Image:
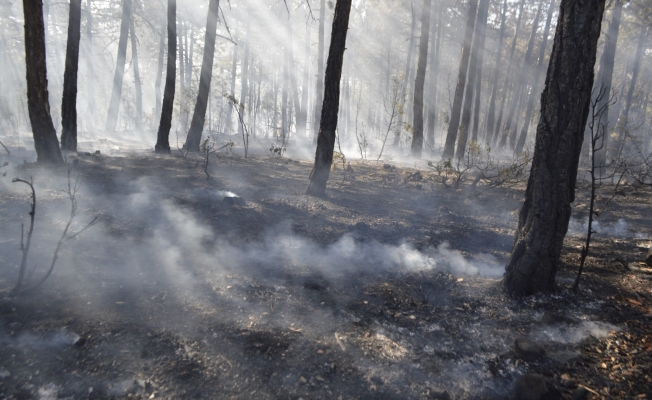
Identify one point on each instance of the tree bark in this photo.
(90, 71)
(535, 82)
(38, 104)
(543, 219)
(163, 142)
(319, 87)
(303, 115)
(454, 124)
(417, 136)
(137, 83)
(229, 110)
(491, 113)
(406, 75)
(476, 51)
(199, 115)
(433, 78)
(118, 77)
(328, 122)
(159, 72)
(69, 101)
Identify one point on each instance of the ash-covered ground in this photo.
(389, 288)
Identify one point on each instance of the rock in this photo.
(648, 259)
(535, 387)
(387, 166)
(4, 374)
(438, 394)
(549, 318)
(527, 350)
(233, 200)
(580, 394)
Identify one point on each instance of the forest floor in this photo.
(389, 288)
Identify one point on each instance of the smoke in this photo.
(618, 229)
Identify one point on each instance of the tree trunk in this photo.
(159, 72)
(90, 71)
(535, 82)
(182, 62)
(476, 51)
(491, 113)
(303, 115)
(190, 45)
(454, 124)
(293, 79)
(163, 142)
(328, 123)
(543, 219)
(198, 117)
(406, 75)
(482, 30)
(69, 101)
(319, 87)
(45, 137)
(137, 83)
(229, 109)
(417, 136)
(118, 77)
(433, 78)
(284, 98)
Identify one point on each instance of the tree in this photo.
(454, 124)
(417, 136)
(159, 71)
(38, 104)
(199, 115)
(90, 71)
(433, 77)
(328, 123)
(118, 77)
(69, 101)
(543, 219)
(162, 141)
(137, 84)
(496, 75)
(319, 87)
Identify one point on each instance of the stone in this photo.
(550, 318)
(438, 394)
(648, 259)
(387, 166)
(527, 350)
(580, 394)
(535, 387)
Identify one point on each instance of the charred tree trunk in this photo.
(159, 72)
(118, 77)
(244, 82)
(69, 101)
(90, 71)
(328, 124)
(482, 31)
(137, 83)
(319, 87)
(491, 121)
(45, 137)
(535, 82)
(163, 142)
(406, 75)
(433, 78)
(476, 51)
(417, 136)
(199, 115)
(454, 124)
(543, 219)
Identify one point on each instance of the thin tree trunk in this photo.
(328, 123)
(118, 77)
(182, 62)
(137, 83)
(482, 30)
(244, 81)
(163, 142)
(476, 51)
(198, 117)
(454, 124)
(69, 101)
(229, 112)
(417, 137)
(293, 80)
(319, 87)
(535, 82)
(90, 71)
(303, 115)
(543, 219)
(491, 113)
(190, 46)
(433, 78)
(284, 98)
(45, 137)
(159, 72)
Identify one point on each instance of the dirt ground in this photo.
(389, 288)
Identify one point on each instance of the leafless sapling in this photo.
(6, 149)
(239, 109)
(393, 111)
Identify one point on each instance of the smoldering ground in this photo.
(178, 293)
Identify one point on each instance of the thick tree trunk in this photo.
(90, 71)
(328, 124)
(319, 87)
(433, 78)
(476, 51)
(163, 142)
(534, 92)
(543, 219)
(118, 77)
(137, 83)
(198, 117)
(454, 123)
(491, 121)
(45, 137)
(482, 30)
(69, 101)
(417, 136)
(159, 72)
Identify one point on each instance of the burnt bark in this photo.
(319, 87)
(328, 122)
(163, 142)
(543, 219)
(38, 105)
(90, 71)
(159, 71)
(454, 124)
(199, 115)
(491, 113)
(433, 78)
(417, 136)
(118, 77)
(69, 101)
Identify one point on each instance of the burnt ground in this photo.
(181, 293)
